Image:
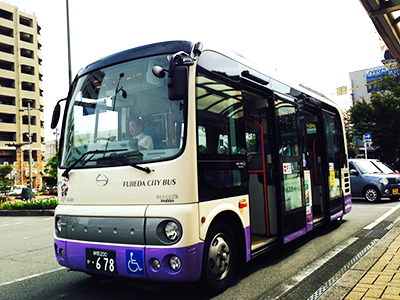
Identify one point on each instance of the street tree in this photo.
(380, 118)
(5, 183)
(50, 170)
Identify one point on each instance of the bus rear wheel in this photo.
(219, 258)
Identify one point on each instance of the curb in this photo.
(341, 288)
(27, 212)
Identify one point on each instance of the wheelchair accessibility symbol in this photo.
(134, 259)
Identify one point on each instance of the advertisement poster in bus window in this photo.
(307, 190)
(292, 185)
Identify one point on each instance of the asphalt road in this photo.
(298, 270)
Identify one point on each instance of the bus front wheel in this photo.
(219, 258)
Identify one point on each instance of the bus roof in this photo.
(169, 47)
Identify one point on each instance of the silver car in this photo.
(372, 179)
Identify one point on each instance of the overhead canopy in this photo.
(385, 14)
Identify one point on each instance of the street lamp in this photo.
(30, 140)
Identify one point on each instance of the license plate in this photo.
(395, 191)
(101, 260)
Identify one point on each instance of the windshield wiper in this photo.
(133, 165)
(94, 152)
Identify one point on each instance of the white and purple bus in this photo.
(177, 162)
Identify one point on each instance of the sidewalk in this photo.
(374, 276)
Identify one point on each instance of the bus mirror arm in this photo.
(178, 72)
(56, 114)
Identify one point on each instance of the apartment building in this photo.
(22, 130)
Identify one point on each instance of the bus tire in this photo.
(372, 194)
(219, 258)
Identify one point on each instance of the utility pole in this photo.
(69, 48)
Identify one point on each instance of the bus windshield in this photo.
(121, 115)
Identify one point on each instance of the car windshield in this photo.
(366, 166)
(122, 115)
(384, 167)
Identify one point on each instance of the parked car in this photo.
(369, 179)
(16, 190)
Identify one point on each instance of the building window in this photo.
(28, 86)
(25, 21)
(7, 118)
(6, 15)
(7, 100)
(26, 101)
(8, 83)
(26, 69)
(7, 136)
(6, 31)
(27, 53)
(26, 37)
(6, 65)
(6, 48)
(341, 90)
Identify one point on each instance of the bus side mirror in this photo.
(56, 114)
(178, 83)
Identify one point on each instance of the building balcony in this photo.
(11, 109)
(9, 127)
(29, 94)
(7, 56)
(7, 40)
(7, 74)
(6, 23)
(8, 91)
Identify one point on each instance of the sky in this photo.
(312, 42)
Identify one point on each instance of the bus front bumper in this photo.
(140, 262)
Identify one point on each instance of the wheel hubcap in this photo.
(219, 257)
(371, 195)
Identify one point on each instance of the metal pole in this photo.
(30, 145)
(69, 48)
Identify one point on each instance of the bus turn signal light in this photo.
(242, 204)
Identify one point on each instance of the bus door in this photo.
(290, 168)
(335, 160)
(314, 160)
(257, 180)
(262, 192)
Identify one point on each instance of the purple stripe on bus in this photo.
(294, 235)
(337, 215)
(347, 204)
(247, 235)
(191, 258)
(310, 220)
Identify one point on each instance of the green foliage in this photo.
(5, 182)
(51, 167)
(49, 203)
(380, 118)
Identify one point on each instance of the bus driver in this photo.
(145, 142)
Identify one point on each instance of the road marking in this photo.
(10, 224)
(317, 264)
(19, 223)
(381, 218)
(31, 276)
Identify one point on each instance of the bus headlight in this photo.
(60, 225)
(172, 231)
(163, 231)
